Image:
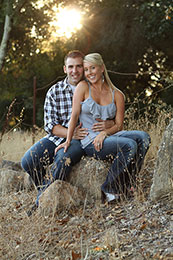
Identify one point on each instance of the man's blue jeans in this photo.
(127, 153)
(41, 155)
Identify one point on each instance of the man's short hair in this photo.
(73, 54)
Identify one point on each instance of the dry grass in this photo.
(92, 231)
(14, 144)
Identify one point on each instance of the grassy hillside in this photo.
(134, 228)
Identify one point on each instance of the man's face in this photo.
(74, 70)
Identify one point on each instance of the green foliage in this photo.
(133, 36)
(156, 18)
(17, 82)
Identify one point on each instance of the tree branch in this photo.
(4, 42)
(7, 28)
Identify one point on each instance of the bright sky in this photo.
(66, 22)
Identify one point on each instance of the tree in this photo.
(26, 27)
(132, 36)
(10, 11)
(125, 32)
(23, 26)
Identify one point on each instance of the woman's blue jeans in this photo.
(127, 153)
(41, 155)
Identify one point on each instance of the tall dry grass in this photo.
(152, 119)
(89, 232)
(15, 143)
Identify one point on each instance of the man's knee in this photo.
(24, 163)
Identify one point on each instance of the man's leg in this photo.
(62, 164)
(36, 160)
(120, 151)
(64, 161)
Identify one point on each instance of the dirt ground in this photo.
(134, 228)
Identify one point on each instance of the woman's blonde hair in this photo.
(96, 59)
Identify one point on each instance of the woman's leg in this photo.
(143, 141)
(120, 151)
(64, 161)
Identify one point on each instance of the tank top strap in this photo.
(89, 88)
(113, 94)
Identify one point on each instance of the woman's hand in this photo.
(98, 141)
(64, 145)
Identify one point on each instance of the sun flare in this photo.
(66, 22)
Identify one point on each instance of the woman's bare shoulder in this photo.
(119, 93)
(82, 83)
(82, 86)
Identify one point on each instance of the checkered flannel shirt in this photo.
(57, 108)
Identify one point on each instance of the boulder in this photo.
(163, 173)
(13, 178)
(60, 195)
(84, 182)
(89, 174)
(16, 166)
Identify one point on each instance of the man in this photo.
(57, 112)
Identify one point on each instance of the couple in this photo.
(99, 106)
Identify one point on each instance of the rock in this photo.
(16, 166)
(13, 178)
(60, 195)
(89, 174)
(163, 173)
(85, 180)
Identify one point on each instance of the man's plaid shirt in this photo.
(57, 108)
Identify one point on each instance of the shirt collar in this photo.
(67, 84)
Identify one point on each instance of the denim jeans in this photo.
(63, 162)
(143, 141)
(41, 154)
(127, 153)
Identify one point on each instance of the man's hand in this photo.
(102, 125)
(80, 133)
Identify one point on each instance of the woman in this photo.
(97, 98)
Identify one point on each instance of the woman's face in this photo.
(93, 72)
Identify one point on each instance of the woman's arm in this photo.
(119, 119)
(78, 97)
(119, 100)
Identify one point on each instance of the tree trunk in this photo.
(4, 42)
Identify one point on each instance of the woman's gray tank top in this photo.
(90, 111)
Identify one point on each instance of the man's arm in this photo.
(52, 119)
(102, 125)
(79, 132)
(60, 131)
